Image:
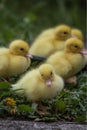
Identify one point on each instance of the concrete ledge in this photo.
(29, 125)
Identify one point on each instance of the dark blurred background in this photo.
(25, 19)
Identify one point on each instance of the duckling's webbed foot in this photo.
(72, 80)
(8, 79)
(42, 110)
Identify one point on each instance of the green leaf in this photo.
(25, 108)
(31, 16)
(4, 85)
(80, 118)
(60, 105)
(5, 94)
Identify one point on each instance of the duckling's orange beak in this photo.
(29, 55)
(48, 83)
(83, 51)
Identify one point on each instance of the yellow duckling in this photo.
(70, 61)
(39, 83)
(15, 59)
(77, 33)
(54, 41)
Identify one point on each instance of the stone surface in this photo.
(29, 125)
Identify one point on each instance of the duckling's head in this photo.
(62, 32)
(74, 45)
(46, 74)
(19, 47)
(77, 33)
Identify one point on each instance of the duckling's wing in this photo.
(65, 70)
(3, 62)
(42, 47)
(61, 65)
(3, 51)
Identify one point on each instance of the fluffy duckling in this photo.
(70, 61)
(15, 59)
(77, 33)
(54, 41)
(39, 83)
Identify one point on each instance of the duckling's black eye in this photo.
(65, 32)
(75, 46)
(22, 49)
(42, 75)
(51, 73)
